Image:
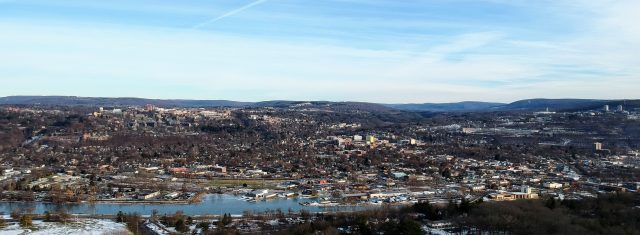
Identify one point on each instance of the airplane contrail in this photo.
(230, 13)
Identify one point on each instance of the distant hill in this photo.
(555, 104)
(336, 106)
(568, 105)
(521, 105)
(110, 102)
(447, 107)
(95, 101)
(467, 106)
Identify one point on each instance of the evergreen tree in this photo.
(26, 221)
(410, 227)
(120, 217)
(550, 203)
(181, 226)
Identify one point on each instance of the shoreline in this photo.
(122, 202)
(195, 200)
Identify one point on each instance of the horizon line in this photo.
(334, 101)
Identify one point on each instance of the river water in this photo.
(214, 204)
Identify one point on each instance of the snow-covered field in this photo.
(82, 226)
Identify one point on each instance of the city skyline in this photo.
(371, 51)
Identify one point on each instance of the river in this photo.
(213, 204)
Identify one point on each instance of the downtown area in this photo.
(318, 167)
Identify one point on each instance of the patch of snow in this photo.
(435, 231)
(155, 228)
(82, 226)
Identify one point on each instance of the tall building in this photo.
(149, 108)
(598, 146)
(371, 139)
(606, 108)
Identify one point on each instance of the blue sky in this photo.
(356, 50)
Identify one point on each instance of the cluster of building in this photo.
(149, 153)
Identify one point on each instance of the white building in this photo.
(552, 185)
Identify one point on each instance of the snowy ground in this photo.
(82, 226)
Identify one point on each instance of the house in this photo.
(477, 188)
(147, 196)
(172, 195)
(258, 194)
(511, 196)
(178, 170)
(360, 187)
(398, 175)
(552, 185)
(219, 169)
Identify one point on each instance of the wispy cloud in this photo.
(401, 52)
(229, 13)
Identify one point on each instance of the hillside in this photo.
(467, 106)
(124, 101)
(447, 107)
